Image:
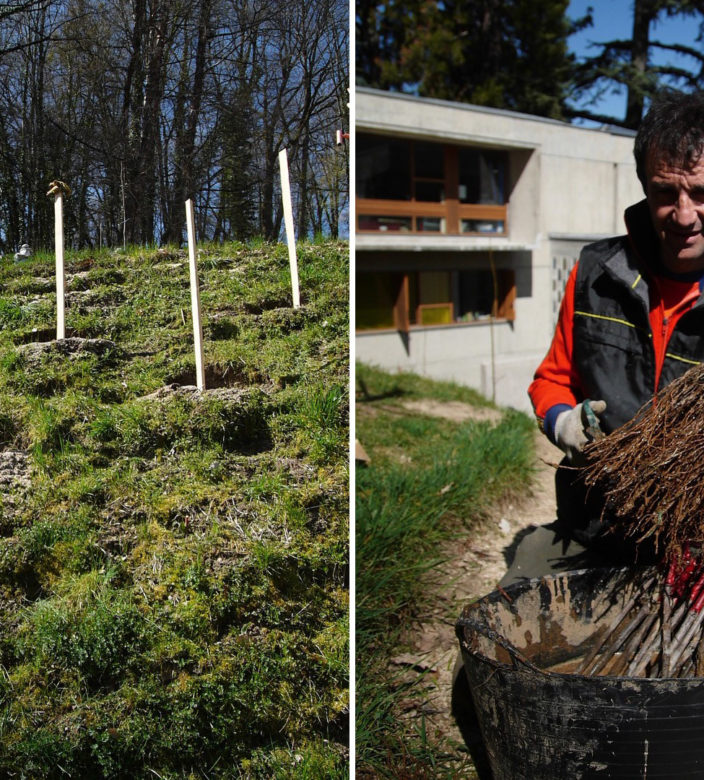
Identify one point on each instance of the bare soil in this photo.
(473, 567)
(15, 479)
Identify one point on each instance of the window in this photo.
(428, 160)
(388, 222)
(383, 171)
(481, 181)
(481, 176)
(431, 295)
(430, 224)
(428, 173)
(422, 187)
(482, 226)
(381, 301)
(427, 298)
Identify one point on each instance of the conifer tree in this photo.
(627, 64)
(503, 53)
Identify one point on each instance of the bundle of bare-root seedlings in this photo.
(651, 474)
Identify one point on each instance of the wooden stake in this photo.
(288, 221)
(60, 268)
(626, 624)
(666, 628)
(58, 189)
(195, 296)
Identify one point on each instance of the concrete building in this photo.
(468, 220)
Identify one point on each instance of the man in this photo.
(631, 321)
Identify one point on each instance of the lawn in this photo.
(428, 481)
(174, 563)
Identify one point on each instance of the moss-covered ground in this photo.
(174, 563)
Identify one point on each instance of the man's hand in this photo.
(571, 429)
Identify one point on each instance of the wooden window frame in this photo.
(402, 320)
(450, 210)
(503, 306)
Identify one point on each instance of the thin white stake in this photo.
(60, 269)
(288, 221)
(195, 296)
(58, 189)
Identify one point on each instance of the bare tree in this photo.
(139, 104)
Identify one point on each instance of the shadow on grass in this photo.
(367, 397)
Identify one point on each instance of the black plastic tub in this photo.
(538, 719)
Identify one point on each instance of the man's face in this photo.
(676, 200)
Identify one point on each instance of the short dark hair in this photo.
(674, 128)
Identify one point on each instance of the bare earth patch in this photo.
(456, 411)
(15, 479)
(472, 569)
(72, 347)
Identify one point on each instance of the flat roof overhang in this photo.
(416, 243)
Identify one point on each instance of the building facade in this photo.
(468, 220)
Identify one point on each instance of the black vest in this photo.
(615, 360)
(613, 344)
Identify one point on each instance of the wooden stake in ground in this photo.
(288, 221)
(57, 190)
(195, 296)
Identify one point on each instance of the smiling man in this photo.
(676, 202)
(631, 321)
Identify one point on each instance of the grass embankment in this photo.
(429, 479)
(173, 565)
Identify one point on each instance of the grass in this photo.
(429, 480)
(173, 565)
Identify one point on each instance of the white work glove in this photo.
(571, 430)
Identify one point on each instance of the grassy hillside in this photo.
(173, 564)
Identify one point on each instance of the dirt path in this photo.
(472, 570)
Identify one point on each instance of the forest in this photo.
(139, 105)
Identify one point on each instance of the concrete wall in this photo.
(458, 353)
(568, 185)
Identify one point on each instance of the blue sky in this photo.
(614, 19)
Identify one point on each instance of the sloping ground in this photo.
(173, 564)
(471, 569)
(440, 458)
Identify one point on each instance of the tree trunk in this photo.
(184, 178)
(643, 15)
